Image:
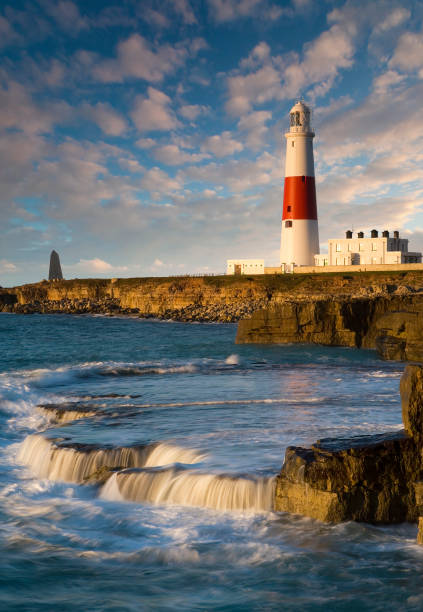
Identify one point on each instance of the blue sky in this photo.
(146, 137)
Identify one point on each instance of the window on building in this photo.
(288, 223)
(349, 246)
(374, 246)
(338, 247)
(292, 141)
(361, 246)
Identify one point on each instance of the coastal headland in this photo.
(209, 298)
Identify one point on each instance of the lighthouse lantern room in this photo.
(300, 231)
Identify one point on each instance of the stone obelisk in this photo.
(55, 272)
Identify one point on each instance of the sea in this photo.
(192, 429)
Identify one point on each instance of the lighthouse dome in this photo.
(300, 117)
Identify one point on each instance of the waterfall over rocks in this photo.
(72, 462)
(188, 488)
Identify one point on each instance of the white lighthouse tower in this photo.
(300, 230)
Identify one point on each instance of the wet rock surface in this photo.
(368, 478)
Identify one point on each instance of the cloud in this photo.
(228, 10)
(7, 267)
(192, 111)
(137, 59)
(93, 266)
(153, 113)
(183, 8)
(238, 176)
(17, 110)
(66, 14)
(155, 18)
(408, 55)
(277, 78)
(394, 19)
(254, 126)
(254, 88)
(145, 143)
(386, 81)
(172, 155)
(259, 54)
(106, 117)
(158, 183)
(322, 60)
(221, 145)
(8, 36)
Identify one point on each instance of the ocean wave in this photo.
(229, 402)
(45, 377)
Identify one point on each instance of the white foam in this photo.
(74, 464)
(232, 360)
(190, 488)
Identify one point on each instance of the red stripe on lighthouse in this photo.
(299, 199)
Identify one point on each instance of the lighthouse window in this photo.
(292, 143)
(297, 118)
(292, 119)
(288, 209)
(288, 223)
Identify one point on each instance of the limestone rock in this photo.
(363, 479)
(376, 479)
(100, 476)
(392, 325)
(55, 271)
(420, 531)
(412, 402)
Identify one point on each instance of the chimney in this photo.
(374, 234)
(396, 234)
(348, 234)
(385, 234)
(360, 235)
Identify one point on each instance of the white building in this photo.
(374, 250)
(245, 266)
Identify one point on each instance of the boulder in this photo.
(366, 479)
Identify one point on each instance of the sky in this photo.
(146, 138)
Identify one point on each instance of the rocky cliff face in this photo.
(371, 478)
(225, 298)
(393, 325)
(184, 299)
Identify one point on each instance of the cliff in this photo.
(393, 324)
(208, 298)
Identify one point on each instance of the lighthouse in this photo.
(300, 230)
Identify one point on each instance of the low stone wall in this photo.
(358, 268)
